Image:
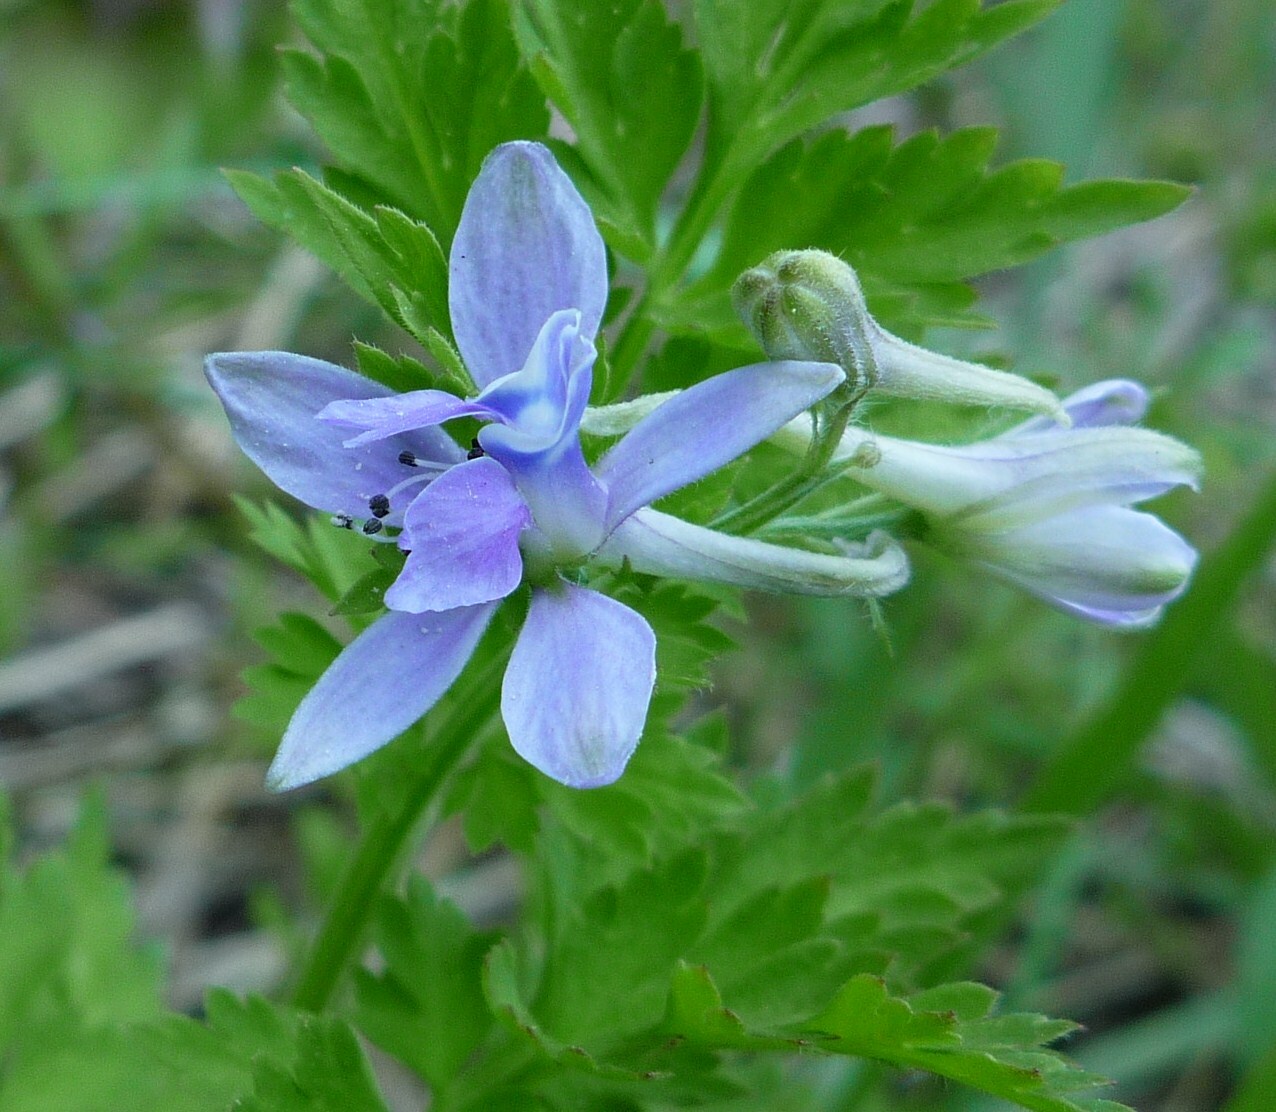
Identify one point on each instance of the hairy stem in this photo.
(813, 473)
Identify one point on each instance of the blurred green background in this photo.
(130, 589)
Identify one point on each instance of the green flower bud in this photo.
(809, 305)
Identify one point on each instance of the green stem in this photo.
(381, 847)
(813, 473)
(842, 525)
(630, 344)
(668, 265)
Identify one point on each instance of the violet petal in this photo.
(526, 248)
(705, 427)
(271, 399)
(382, 418)
(578, 684)
(463, 534)
(379, 685)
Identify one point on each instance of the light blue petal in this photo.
(463, 534)
(382, 418)
(382, 682)
(538, 438)
(565, 498)
(526, 248)
(1115, 401)
(271, 399)
(1109, 564)
(540, 405)
(705, 427)
(578, 684)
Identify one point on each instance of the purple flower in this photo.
(528, 283)
(1048, 508)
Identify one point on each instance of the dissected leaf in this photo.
(915, 219)
(411, 97)
(426, 1007)
(778, 68)
(631, 92)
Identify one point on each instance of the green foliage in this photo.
(411, 96)
(301, 649)
(82, 1023)
(914, 219)
(367, 595)
(426, 1007)
(950, 1030)
(332, 559)
(737, 940)
(387, 257)
(777, 69)
(248, 1054)
(69, 956)
(631, 92)
(327, 1073)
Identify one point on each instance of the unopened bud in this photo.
(809, 305)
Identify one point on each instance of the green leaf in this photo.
(773, 957)
(672, 791)
(778, 68)
(328, 1074)
(951, 1031)
(411, 96)
(367, 596)
(497, 796)
(301, 650)
(914, 219)
(384, 256)
(331, 93)
(332, 559)
(611, 954)
(171, 1063)
(427, 1006)
(69, 956)
(630, 90)
(400, 372)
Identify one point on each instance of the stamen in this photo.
(379, 504)
(411, 459)
(372, 528)
(476, 450)
(413, 481)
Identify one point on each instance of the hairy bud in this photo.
(809, 305)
